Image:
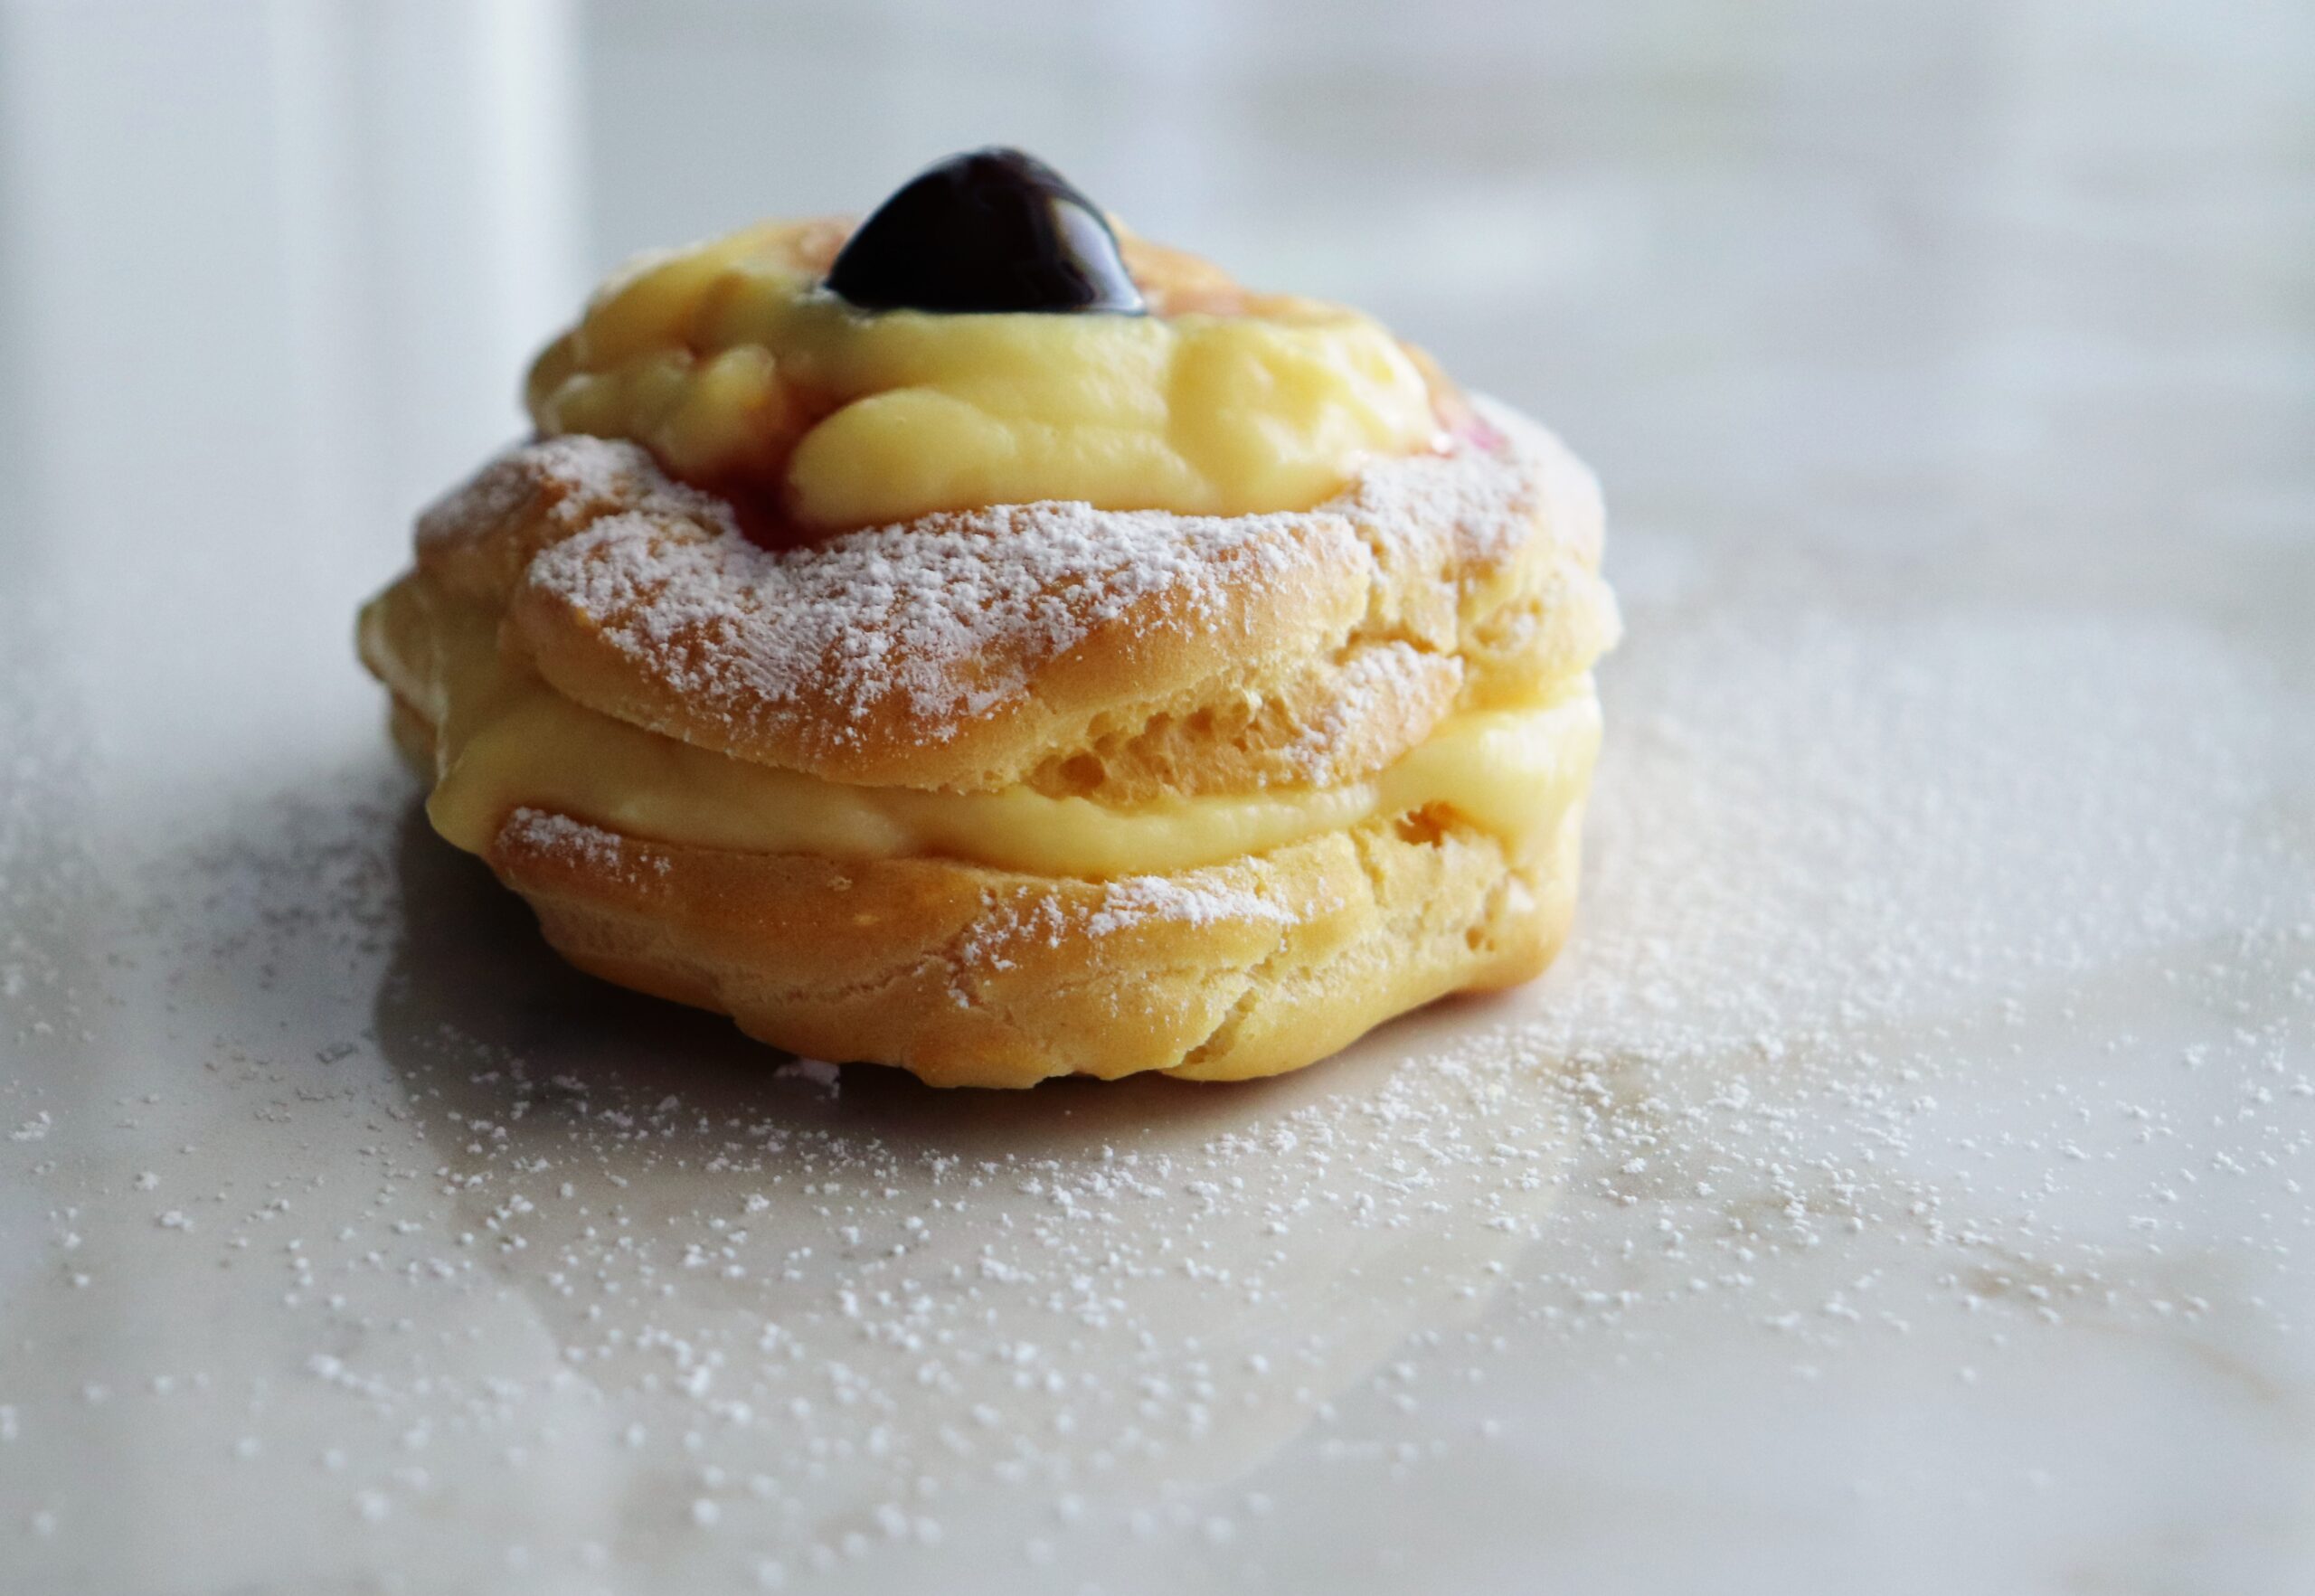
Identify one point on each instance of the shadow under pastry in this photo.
(698, 1230)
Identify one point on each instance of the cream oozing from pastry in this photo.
(506, 740)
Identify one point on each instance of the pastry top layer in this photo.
(739, 372)
(1113, 655)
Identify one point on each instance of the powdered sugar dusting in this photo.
(948, 617)
(574, 479)
(1486, 496)
(1125, 903)
(1920, 1033)
(561, 836)
(1134, 899)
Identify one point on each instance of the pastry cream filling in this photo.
(505, 740)
(732, 366)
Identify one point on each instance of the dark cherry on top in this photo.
(991, 229)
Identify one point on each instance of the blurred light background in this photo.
(248, 245)
(1999, 312)
(1976, 275)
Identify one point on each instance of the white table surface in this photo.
(1903, 1185)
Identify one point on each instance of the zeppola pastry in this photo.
(986, 642)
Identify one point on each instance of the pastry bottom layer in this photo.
(968, 976)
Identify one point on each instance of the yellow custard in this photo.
(506, 740)
(733, 365)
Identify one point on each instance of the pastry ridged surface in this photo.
(1124, 658)
(971, 977)
(1118, 656)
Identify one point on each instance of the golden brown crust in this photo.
(1332, 723)
(967, 976)
(1120, 656)
(1110, 655)
(736, 672)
